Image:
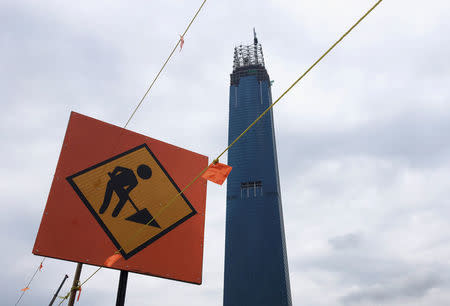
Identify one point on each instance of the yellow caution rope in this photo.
(164, 65)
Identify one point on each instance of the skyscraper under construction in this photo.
(256, 268)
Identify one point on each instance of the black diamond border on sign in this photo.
(70, 179)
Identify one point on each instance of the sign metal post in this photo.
(121, 291)
(76, 280)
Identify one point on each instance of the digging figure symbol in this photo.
(122, 181)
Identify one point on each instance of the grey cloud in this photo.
(43, 52)
(358, 268)
(404, 288)
(371, 276)
(414, 139)
(348, 241)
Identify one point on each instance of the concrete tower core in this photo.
(256, 268)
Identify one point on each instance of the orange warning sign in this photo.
(116, 190)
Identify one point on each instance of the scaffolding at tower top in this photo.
(249, 55)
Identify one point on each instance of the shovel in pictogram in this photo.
(142, 216)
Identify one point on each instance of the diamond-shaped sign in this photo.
(127, 195)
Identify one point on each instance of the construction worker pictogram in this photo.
(122, 181)
(125, 194)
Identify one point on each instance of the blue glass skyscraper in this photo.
(256, 268)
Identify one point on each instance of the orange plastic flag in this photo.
(79, 293)
(181, 42)
(112, 259)
(24, 289)
(40, 267)
(217, 173)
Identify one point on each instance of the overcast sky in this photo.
(363, 141)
